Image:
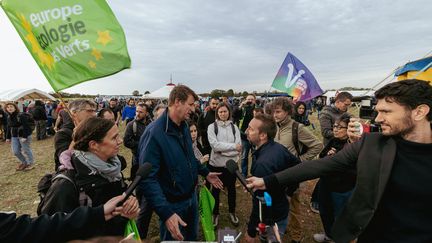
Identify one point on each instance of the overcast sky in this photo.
(241, 44)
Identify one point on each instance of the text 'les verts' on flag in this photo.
(296, 80)
(72, 41)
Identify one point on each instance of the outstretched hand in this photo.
(213, 178)
(255, 183)
(172, 224)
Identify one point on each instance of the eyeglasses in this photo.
(339, 127)
(89, 110)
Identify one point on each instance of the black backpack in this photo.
(28, 119)
(295, 140)
(45, 184)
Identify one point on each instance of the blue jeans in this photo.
(187, 210)
(22, 150)
(339, 201)
(246, 146)
(282, 225)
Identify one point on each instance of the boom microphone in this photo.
(142, 173)
(233, 169)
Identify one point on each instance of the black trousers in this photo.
(228, 180)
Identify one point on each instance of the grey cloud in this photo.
(241, 44)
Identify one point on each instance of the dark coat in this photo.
(39, 112)
(327, 118)
(130, 139)
(270, 158)
(205, 119)
(63, 196)
(62, 140)
(17, 126)
(80, 224)
(246, 117)
(174, 173)
(372, 157)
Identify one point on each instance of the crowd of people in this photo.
(364, 179)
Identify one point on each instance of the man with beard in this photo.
(332, 112)
(390, 202)
(116, 109)
(134, 130)
(207, 117)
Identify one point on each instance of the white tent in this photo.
(24, 94)
(161, 93)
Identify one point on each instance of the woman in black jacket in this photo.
(300, 113)
(335, 190)
(96, 172)
(19, 135)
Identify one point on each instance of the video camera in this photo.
(368, 112)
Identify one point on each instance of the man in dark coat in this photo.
(81, 110)
(390, 202)
(207, 117)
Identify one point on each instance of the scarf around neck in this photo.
(109, 170)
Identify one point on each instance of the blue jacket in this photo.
(175, 169)
(268, 159)
(128, 112)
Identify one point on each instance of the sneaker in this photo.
(322, 238)
(234, 219)
(28, 167)
(215, 220)
(314, 207)
(20, 167)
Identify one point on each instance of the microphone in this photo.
(232, 167)
(142, 173)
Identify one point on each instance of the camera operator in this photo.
(247, 107)
(390, 202)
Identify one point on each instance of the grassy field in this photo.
(19, 188)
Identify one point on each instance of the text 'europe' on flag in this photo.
(296, 80)
(72, 41)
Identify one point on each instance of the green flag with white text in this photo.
(72, 41)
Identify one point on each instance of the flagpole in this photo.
(65, 106)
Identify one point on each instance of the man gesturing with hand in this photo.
(170, 187)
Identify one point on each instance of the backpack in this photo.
(48, 180)
(29, 119)
(295, 140)
(216, 129)
(45, 184)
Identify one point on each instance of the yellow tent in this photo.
(419, 69)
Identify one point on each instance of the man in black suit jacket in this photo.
(391, 200)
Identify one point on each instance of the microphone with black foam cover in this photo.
(232, 167)
(143, 172)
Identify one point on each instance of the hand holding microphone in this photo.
(233, 169)
(142, 172)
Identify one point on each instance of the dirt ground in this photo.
(18, 189)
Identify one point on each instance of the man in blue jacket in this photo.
(268, 158)
(170, 187)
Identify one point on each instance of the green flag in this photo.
(72, 41)
(206, 205)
